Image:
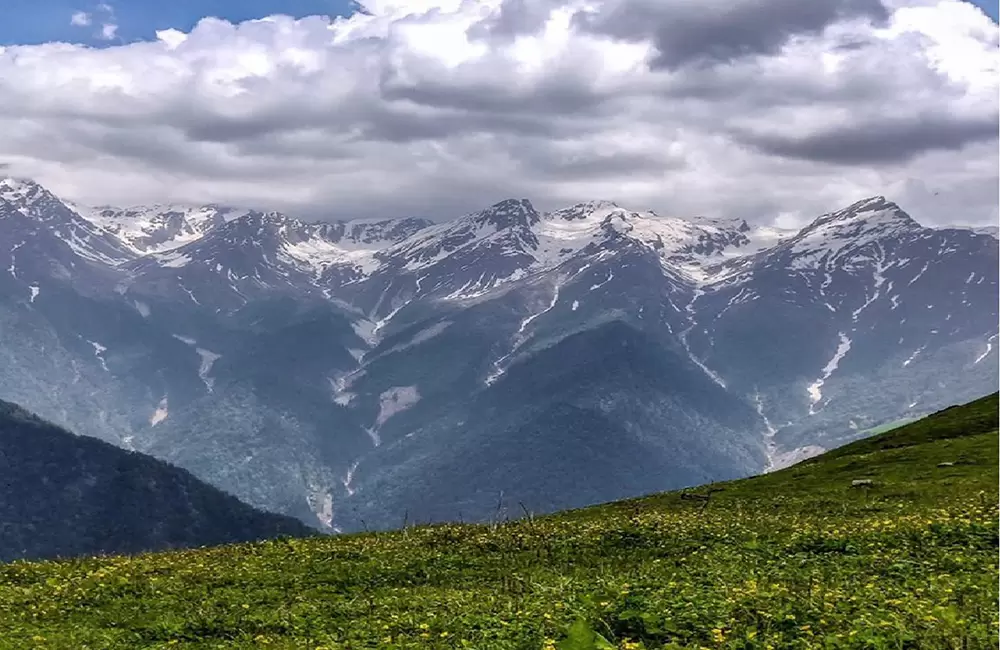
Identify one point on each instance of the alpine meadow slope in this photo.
(364, 373)
(801, 557)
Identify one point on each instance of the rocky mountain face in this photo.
(65, 495)
(356, 374)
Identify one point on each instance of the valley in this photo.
(355, 374)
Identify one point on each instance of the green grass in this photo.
(794, 559)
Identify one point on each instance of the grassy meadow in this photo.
(794, 559)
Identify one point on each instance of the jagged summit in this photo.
(510, 213)
(507, 241)
(27, 196)
(85, 238)
(871, 221)
(584, 210)
(12, 185)
(875, 210)
(159, 228)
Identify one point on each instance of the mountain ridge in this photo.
(306, 366)
(113, 501)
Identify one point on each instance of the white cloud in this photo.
(80, 19)
(109, 31)
(442, 106)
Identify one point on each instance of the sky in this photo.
(770, 110)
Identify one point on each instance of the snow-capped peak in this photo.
(85, 238)
(272, 249)
(873, 212)
(15, 189)
(831, 235)
(510, 213)
(27, 196)
(587, 210)
(159, 228)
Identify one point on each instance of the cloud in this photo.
(107, 20)
(80, 19)
(752, 108)
(109, 31)
(884, 140)
(722, 30)
(109, 27)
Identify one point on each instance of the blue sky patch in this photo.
(112, 22)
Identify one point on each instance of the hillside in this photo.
(357, 373)
(798, 558)
(65, 495)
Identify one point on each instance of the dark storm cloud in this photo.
(570, 93)
(883, 141)
(709, 32)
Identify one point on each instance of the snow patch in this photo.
(913, 356)
(392, 402)
(34, 293)
(321, 503)
(208, 359)
(814, 389)
(364, 328)
(770, 448)
(160, 414)
(338, 388)
(142, 308)
(918, 275)
(519, 338)
(879, 275)
(420, 337)
(989, 348)
(378, 325)
(99, 351)
(12, 269)
(190, 294)
(373, 434)
(395, 400)
(611, 275)
(687, 346)
(348, 479)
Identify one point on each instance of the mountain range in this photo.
(359, 374)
